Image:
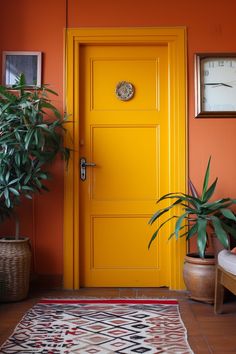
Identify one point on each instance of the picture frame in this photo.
(26, 62)
(215, 85)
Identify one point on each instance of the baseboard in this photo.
(46, 281)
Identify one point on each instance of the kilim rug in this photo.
(125, 326)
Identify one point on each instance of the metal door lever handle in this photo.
(83, 165)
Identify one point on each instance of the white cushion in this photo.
(227, 261)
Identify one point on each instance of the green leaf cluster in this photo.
(31, 136)
(201, 215)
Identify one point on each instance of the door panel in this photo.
(146, 95)
(121, 161)
(128, 141)
(106, 235)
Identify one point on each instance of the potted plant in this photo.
(197, 215)
(31, 136)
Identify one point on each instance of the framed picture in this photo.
(28, 63)
(215, 85)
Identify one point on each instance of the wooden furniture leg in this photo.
(219, 292)
(224, 280)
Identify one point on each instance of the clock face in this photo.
(218, 84)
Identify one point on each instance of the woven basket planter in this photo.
(15, 260)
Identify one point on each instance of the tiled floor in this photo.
(207, 332)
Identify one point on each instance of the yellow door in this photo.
(128, 142)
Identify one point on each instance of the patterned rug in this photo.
(125, 326)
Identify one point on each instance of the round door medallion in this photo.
(124, 90)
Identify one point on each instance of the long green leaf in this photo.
(206, 179)
(183, 196)
(51, 107)
(170, 196)
(178, 225)
(50, 91)
(220, 232)
(160, 212)
(173, 233)
(218, 201)
(14, 191)
(210, 191)
(228, 214)
(6, 193)
(13, 181)
(158, 229)
(229, 229)
(28, 138)
(4, 93)
(193, 190)
(192, 231)
(202, 236)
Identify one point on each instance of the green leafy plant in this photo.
(31, 136)
(197, 215)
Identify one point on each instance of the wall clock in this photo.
(215, 85)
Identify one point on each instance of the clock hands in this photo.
(215, 84)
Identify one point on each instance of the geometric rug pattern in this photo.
(100, 326)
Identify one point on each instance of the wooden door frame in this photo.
(175, 39)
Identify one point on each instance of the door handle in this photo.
(83, 165)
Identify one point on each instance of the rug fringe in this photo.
(109, 301)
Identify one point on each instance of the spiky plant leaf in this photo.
(193, 190)
(202, 236)
(8, 97)
(228, 214)
(209, 192)
(158, 229)
(201, 213)
(206, 179)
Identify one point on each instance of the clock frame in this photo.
(221, 67)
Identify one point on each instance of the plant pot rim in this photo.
(194, 258)
(196, 255)
(13, 239)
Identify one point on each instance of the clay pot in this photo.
(199, 277)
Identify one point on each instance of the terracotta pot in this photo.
(199, 277)
(15, 259)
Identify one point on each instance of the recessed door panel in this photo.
(109, 250)
(117, 70)
(128, 166)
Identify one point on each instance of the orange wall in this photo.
(38, 25)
